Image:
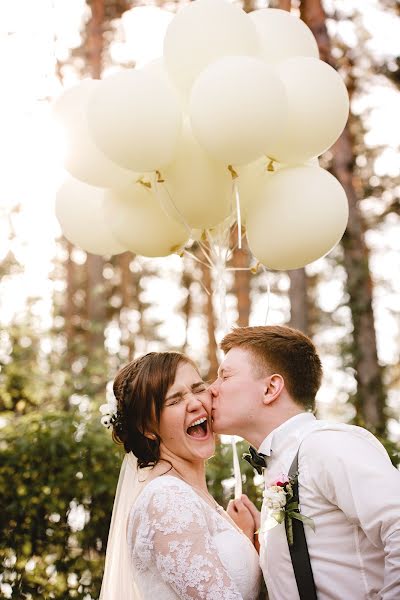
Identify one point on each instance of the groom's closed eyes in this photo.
(224, 372)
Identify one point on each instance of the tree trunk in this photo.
(298, 294)
(370, 391)
(69, 305)
(127, 296)
(211, 325)
(187, 307)
(240, 260)
(124, 261)
(95, 301)
(248, 5)
(94, 40)
(298, 300)
(282, 4)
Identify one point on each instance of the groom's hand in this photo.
(242, 516)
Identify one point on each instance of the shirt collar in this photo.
(291, 431)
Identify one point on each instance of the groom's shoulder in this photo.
(332, 439)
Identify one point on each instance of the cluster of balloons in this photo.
(238, 101)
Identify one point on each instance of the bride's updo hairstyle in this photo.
(140, 389)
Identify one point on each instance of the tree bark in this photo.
(298, 295)
(187, 307)
(240, 260)
(248, 5)
(211, 325)
(124, 261)
(369, 401)
(95, 301)
(69, 305)
(285, 5)
(94, 41)
(127, 297)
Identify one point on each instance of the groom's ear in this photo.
(273, 387)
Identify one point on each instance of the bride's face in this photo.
(188, 401)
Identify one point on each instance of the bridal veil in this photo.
(118, 581)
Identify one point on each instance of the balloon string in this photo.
(194, 257)
(236, 469)
(238, 212)
(171, 203)
(216, 256)
(176, 211)
(268, 293)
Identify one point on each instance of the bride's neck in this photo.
(191, 472)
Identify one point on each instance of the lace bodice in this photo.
(181, 547)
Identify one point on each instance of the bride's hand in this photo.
(242, 516)
(253, 510)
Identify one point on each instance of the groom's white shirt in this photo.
(348, 486)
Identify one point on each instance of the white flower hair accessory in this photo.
(109, 410)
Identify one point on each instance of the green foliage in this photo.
(50, 463)
(220, 475)
(22, 381)
(393, 449)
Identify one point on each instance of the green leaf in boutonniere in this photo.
(283, 507)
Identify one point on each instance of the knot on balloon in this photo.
(232, 172)
(270, 167)
(143, 182)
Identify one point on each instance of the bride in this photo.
(169, 538)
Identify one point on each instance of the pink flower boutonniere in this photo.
(283, 506)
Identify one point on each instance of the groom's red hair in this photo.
(283, 350)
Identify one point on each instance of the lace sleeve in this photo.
(168, 531)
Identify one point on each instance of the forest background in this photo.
(69, 320)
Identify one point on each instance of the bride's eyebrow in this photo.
(176, 395)
(197, 384)
(181, 392)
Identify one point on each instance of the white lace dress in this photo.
(181, 547)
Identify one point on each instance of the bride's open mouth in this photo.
(199, 430)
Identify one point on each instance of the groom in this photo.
(265, 393)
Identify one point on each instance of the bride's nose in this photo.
(198, 401)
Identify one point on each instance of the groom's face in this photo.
(237, 393)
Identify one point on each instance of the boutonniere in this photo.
(283, 506)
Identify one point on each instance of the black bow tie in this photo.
(256, 459)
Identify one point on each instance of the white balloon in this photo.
(79, 210)
(157, 69)
(135, 119)
(299, 216)
(138, 221)
(252, 178)
(238, 109)
(318, 109)
(200, 188)
(283, 35)
(83, 159)
(203, 32)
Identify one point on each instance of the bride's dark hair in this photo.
(140, 389)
